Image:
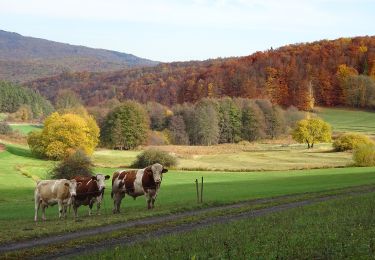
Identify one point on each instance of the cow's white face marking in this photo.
(157, 172)
(100, 179)
(73, 187)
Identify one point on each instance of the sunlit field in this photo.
(346, 120)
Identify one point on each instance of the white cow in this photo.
(52, 192)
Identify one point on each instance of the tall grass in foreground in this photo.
(337, 229)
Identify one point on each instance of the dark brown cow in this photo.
(137, 183)
(89, 191)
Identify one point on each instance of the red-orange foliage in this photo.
(285, 75)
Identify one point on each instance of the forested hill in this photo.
(338, 72)
(26, 58)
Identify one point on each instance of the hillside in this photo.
(26, 58)
(290, 75)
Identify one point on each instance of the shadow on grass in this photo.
(20, 151)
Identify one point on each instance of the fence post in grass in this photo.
(196, 185)
(202, 190)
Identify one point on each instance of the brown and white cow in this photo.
(52, 192)
(89, 191)
(137, 183)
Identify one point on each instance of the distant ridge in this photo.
(27, 58)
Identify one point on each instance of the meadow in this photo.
(25, 128)
(232, 173)
(237, 157)
(19, 170)
(346, 120)
(338, 229)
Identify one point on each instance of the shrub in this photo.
(152, 156)
(350, 141)
(5, 128)
(77, 164)
(364, 155)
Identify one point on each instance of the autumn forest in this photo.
(328, 73)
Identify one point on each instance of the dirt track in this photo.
(161, 231)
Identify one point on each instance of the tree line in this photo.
(298, 75)
(207, 122)
(25, 103)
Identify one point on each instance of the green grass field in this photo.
(25, 128)
(241, 173)
(345, 120)
(340, 229)
(18, 171)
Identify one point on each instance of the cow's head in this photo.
(100, 179)
(156, 170)
(72, 185)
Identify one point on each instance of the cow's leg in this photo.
(98, 204)
(65, 207)
(148, 199)
(60, 208)
(37, 206)
(44, 212)
(117, 201)
(152, 202)
(98, 207)
(75, 210)
(90, 207)
(121, 195)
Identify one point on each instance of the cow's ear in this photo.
(79, 183)
(93, 178)
(66, 184)
(148, 170)
(164, 170)
(107, 177)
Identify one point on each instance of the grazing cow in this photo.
(89, 191)
(51, 192)
(137, 183)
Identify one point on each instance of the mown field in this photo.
(233, 157)
(346, 120)
(339, 229)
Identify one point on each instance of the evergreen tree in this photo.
(253, 123)
(229, 121)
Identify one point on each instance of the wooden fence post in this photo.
(196, 185)
(202, 190)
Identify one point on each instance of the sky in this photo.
(181, 30)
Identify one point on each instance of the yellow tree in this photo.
(64, 134)
(311, 131)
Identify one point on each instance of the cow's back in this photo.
(125, 181)
(53, 190)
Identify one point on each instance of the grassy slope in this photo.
(345, 120)
(25, 128)
(337, 229)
